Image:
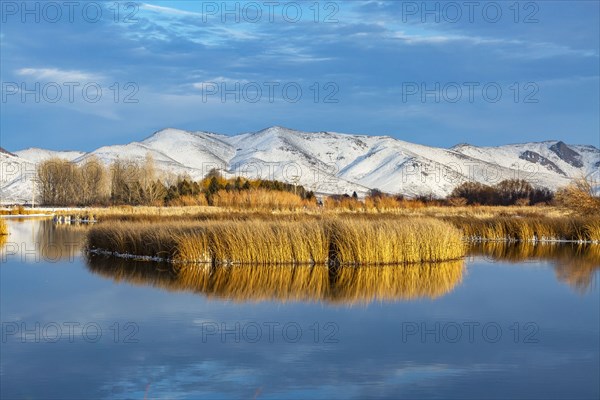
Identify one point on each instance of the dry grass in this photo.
(342, 285)
(406, 240)
(262, 242)
(260, 199)
(140, 239)
(533, 228)
(18, 210)
(188, 211)
(257, 241)
(189, 201)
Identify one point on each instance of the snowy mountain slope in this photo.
(548, 157)
(16, 175)
(36, 155)
(213, 148)
(329, 162)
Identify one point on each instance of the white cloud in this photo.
(59, 75)
(229, 82)
(168, 10)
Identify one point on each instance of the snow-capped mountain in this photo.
(327, 162)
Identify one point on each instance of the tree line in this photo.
(90, 183)
(63, 183)
(505, 193)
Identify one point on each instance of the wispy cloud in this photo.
(59, 75)
(219, 80)
(168, 10)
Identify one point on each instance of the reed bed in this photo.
(316, 283)
(315, 241)
(140, 239)
(157, 213)
(534, 228)
(261, 242)
(409, 240)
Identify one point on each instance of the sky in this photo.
(82, 75)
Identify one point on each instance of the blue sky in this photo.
(437, 73)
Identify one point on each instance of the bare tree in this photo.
(94, 182)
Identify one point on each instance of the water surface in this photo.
(506, 322)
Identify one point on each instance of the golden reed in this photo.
(341, 241)
(531, 228)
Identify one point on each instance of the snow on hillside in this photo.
(36, 155)
(329, 162)
(16, 176)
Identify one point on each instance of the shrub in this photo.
(579, 197)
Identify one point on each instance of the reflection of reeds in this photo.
(316, 241)
(3, 233)
(344, 285)
(59, 242)
(391, 282)
(529, 228)
(574, 264)
(258, 283)
(3, 228)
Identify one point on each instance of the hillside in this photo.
(327, 162)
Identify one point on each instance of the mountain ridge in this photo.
(332, 162)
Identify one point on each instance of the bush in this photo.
(579, 197)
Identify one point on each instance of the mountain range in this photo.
(326, 162)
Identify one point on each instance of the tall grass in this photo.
(181, 213)
(534, 228)
(316, 283)
(264, 242)
(260, 199)
(407, 240)
(257, 241)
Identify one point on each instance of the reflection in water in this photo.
(35, 240)
(575, 264)
(61, 241)
(345, 285)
